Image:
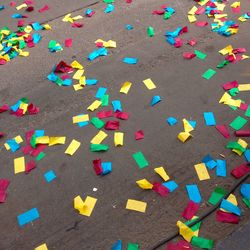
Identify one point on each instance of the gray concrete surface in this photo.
(184, 93)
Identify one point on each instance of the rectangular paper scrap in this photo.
(99, 137)
(118, 138)
(28, 216)
(140, 160)
(125, 87)
(19, 165)
(73, 146)
(202, 172)
(209, 74)
(80, 118)
(194, 193)
(135, 205)
(149, 84)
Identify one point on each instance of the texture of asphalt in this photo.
(184, 93)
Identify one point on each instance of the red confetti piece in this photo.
(223, 130)
(192, 42)
(121, 115)
(76, 25)
(139, 135)
(2, 61)
(32, 109)
(242, 133)
(30, 9)
(4, 108)
(189, 55)
(112, 125)
(97, 166)
(44, 8)
(201, 24)
(230, 85)
(227, 217)
(190, 210)
(68, 42)
(160, 189)
(104, 114)
(30, 166)
(240, 171)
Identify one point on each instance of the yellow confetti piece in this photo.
(42, 140)
(228, 49)
(232, 102)
(220, 15)
(235, 4)
(184, 136)
(193, 10)
(225, 97)
(191, 18)
(185, 231)
(73, 146)
(161, 171)
(80, 118)
(108, 44)
(245, 57)
(201, 171)
(203, 2)
(82, 80)
(85, 208)
(77, 17)
(28, 29)
(242, 19)
(18, 140)
(118, 138)
(144, 184)
(244, 144)
(42, 247)
(221, 6)
(77, 87)
(99, 137)
(125, 87)
(24, 107)
(76, 65)
(149, 84)
(136, 205)
(47, 26)
(67, 18)
(244, 87)
(95, 105)
(21, 6)
(57, 140)
(24, 53)
(19, 165)
(187, 126)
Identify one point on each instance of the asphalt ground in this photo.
(184, 93)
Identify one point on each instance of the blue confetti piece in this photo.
(14, 146)
(88, 12)
(192, 123)
(52, 77)
(106, 168)
(37, 26)
(209, 162)
(221, 169)
(50, 176)
(16, 15)
(194, 193)
(171, 185)
(247, 155)
(117, 106)
(110, 8)
(170, 9)
(91, 82)
(117, 245)
(209, 118)
(36, 38)
(28, 216)
(129, 27)
(39, 133)
(170, 40)
(174, 33)
(230, 207)
(130, 60)
(82, 124)
(245, 190)
(16, 106)
(2, 7)
(96, 53)
(100, 92)
(155, 99)
(67, 82)
(171, 121)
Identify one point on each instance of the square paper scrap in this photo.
(135, 205)
(209, 119)
(50, 176)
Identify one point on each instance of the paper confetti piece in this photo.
(40, 156)
(209, 119)
(200, 54)
(238, 123)
(28, 217)
(85, 208)
(68, 43)
(202, 172)
(185, 231)
(194, 193)
(125, 87)
(118, 138)
(98, 147)
(221, 168)
(117, 245)
(184, 136)
(42, 247)
(155, 99)
(190, 210)
(19, 165)
(98, 123)
(149, 84)
(209, 74)
(57, 140)
(95, 105)
(140, 160)
(136, 205)
(161, 171)
(139, 135)
(202, 242)
(130, 60)
(170, 185)
(73, 146)
(99, 137)
(230, 207)
(133, 246)
(144, 184)
(50, 176)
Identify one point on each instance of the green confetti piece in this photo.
(22, 44)
(217, 195)
(40, 156)
(209, 74)
(133, 246)
(202, 242)
(151, 31)
(233, 91)
(52, 44)
(247, 202)
(108, 1)
(167, 15)
(98, 147)
(196, 226)
(222, 64)
(98, 123)
(248, 112)
(140, 160)
(105, 100)
(59, 81)
(25, 100)
(238, 123)
(200, 55)
(33, 141)
(235, 145)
